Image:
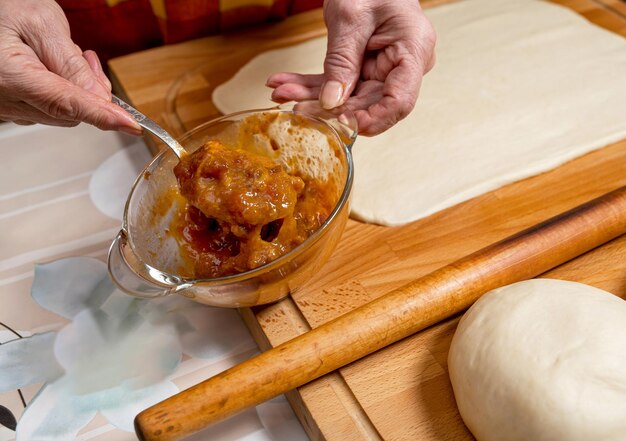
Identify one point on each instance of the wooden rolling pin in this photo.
(396, 315)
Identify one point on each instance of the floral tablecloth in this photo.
(78, 358)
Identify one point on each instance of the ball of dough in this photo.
(542, 360)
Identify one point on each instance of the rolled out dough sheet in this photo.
(520, 87)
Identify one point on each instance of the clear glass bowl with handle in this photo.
(144, 259)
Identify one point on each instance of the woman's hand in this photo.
(45, 78)
(378, 52)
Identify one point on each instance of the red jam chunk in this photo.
(243, 210)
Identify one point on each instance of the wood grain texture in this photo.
(388, 388)
(375, 325)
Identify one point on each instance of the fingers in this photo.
(294, 87)
(39, 95)
(398, 99)
(349, 30)
(46, 78)
(96, 67)
(294, 92)
(58, 53)
(63, 100)
(377, 67)
(24, 114)
(366, 94)
(379, 105)
(399, 68)
(387, 45)
(277, 79)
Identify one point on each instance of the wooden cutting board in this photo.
(401, 392)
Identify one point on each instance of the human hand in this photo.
(45, 78)
(378, 51)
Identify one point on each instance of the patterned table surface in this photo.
(78, 359)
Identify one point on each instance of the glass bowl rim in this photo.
(276, 263)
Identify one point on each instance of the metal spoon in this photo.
(151, 126)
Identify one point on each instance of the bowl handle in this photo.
(135, 277)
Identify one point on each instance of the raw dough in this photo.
(542, 360)
(520, 86)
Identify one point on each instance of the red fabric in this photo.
(242, 17)
(304, 5)
(128, 27)
(131, 25)
(252, 15)
(189, 19)
(280, 9)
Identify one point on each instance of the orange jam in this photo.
(243, 210)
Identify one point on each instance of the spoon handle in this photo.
(151, 126)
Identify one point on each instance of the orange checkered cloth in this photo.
(117, 27)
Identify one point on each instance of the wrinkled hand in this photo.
(378, 51)
(45, 78)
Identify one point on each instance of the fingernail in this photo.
(331, 95)
(272, 83)
(128, 125)
(131, 130)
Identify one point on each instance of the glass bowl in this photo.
(144, 259)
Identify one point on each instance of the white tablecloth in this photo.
(84, 357)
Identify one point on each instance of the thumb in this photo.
(347, 41)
